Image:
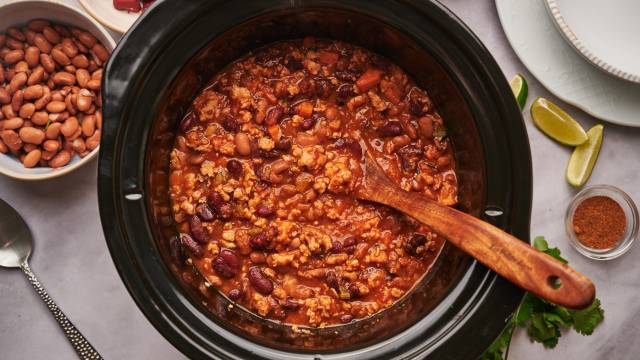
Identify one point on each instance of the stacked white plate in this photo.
(585, 52)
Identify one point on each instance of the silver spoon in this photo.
(15, 247)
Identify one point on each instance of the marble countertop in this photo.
(72, 260)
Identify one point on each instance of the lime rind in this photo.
(584, 157)
(520, 90)
(556, 123)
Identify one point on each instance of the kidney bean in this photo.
(284, 143)
(243, 144)
(412, 245)
(390, 129)
(230, 124)
(31, 135)
(425, 125)
(274, 114)
(204, 212)
(215, 200)
(93, 141)
(263, 239)
(191, 245)
(11, 139)
(332, 280)
(227, 264)
(259, 281)
(42, 43)
(265, 210)
(176, 250)
(235, 167)
(234, 294)
(61, 159)
(349, 244)
(354, 291)
(32, 158)
(197, 230)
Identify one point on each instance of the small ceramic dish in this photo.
(109, 16)
(15, 12)
(603, 32)
(630, 212)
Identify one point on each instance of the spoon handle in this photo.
(520, 263)
(80, 344)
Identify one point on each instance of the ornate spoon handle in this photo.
(81, 345)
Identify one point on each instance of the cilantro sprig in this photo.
(545, 321)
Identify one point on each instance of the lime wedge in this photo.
(556, 123)
(520, 90)
(584, 157)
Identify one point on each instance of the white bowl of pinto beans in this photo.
(51, 60)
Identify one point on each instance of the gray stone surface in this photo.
(72, 260)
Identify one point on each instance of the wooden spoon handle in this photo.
(520, 263)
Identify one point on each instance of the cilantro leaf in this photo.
(544, 321)
(585, 321)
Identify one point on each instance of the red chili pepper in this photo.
(127, 5)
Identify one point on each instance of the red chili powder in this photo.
(599, 222)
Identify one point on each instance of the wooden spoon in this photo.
(516, 261)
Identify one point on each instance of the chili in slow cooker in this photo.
(263, 172)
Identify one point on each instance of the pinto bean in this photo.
(27, 110)
(64, 78)
(33, 92)
(51, 35)
(40, 118)
(47, 63)
(13, 56)
(16, 34)
(11, 139)
(94, 84)
(243, 144)
(17, 100)
(61, 159)
(17, 82)
(51, 145)
(12, 124)
(53, 131)
(87, 39)
(32, 56)
(70, 49)
(60, 57)
(32, 158)
(93, 141)
(101, 52)
(5, 97)
(78, 145)
(31, 135)
(84, 100)
(69, 127)
(38, 24)
(56, 107)
(37, 75)
(80, 61)
(3, 147)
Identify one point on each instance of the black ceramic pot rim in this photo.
(480, 313)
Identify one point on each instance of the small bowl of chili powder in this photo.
(602, 222)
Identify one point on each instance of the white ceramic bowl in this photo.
(19, 12)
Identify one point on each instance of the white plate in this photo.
(604, 32)
(105, 13)
(569, 76)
